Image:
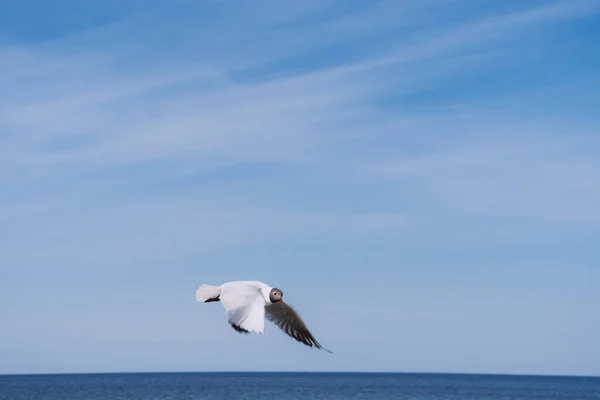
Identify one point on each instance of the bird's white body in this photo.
(244, 302)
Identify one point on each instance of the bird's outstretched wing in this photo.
(288, 320)
(245, 307)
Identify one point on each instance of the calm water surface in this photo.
(294, 386)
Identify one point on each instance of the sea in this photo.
(296, 386)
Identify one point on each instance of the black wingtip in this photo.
(324, 349)
(238, 328)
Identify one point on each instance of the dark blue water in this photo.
(293, 386)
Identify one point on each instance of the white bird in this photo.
(248, 303)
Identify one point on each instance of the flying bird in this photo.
(249, 303)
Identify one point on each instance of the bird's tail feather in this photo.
(208, 293)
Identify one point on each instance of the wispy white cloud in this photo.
(534, 174)
(165, 227)
(203, 118)
(74, 114)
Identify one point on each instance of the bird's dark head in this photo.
(275, 295)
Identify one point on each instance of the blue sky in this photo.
(420, 177)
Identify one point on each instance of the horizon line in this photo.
(540, 375)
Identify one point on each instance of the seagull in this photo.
(249, 303)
